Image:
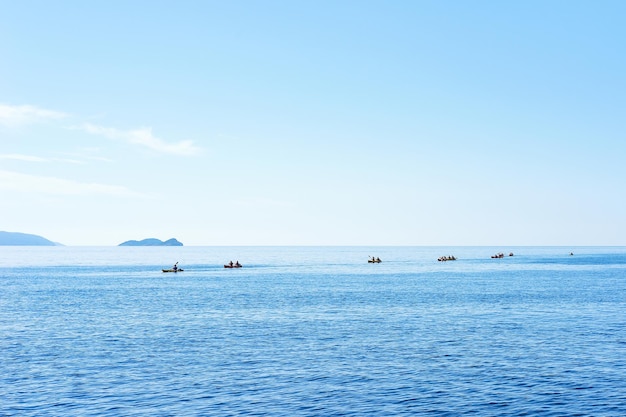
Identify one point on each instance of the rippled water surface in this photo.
(312, 331)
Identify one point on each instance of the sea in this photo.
(312, 331)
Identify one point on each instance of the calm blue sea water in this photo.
(306, 331)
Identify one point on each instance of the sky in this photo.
(314, 122)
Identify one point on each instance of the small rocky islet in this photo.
(151, 242)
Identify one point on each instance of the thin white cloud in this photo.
(13, 116)
(90, 153)
(32, 158)
(16, 181)
(20, 157)
(143, 137)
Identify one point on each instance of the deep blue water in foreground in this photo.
(302, 331)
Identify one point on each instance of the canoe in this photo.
(374, 262)
(172, 270)
(233, 266)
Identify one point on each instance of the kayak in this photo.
(233, 266)
(374, 261)
(172, 270)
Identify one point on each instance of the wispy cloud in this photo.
(143, 137)
(33, 158)
(16, 181)
(20, 157)
(13, 116)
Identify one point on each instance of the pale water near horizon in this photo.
(312, 331)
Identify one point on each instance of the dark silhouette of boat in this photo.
(175, 268)
(446, 258)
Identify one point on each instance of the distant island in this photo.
(151, 242)
(24, 239)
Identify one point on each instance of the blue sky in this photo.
(314, 122)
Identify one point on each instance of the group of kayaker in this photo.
(372, 259)
(231, 264)
(500, 255)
